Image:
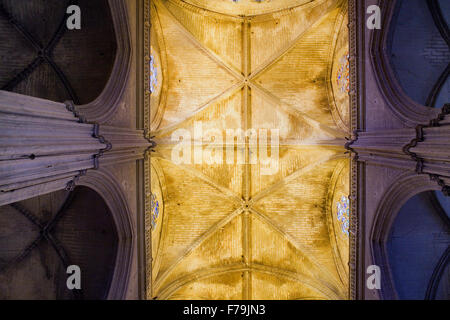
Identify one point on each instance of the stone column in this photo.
(425, 149)
(126, 145)
(44, 146)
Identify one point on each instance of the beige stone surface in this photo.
(227, 231)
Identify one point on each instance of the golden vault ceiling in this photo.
(230, 231)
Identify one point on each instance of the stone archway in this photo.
(109, 189)
(407, 186)
(47, 234)
(404, 107)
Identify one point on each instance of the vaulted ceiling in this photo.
(230, 231)
(42, 58)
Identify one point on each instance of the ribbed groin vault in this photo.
(232, 231)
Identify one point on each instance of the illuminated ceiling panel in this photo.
(229, 224)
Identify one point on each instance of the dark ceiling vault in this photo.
(45, 233)
(419, 49)
(442, 26)
(41, 57)
(59, 230)
(418, 249)
(40, 237)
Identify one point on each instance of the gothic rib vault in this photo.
(226, 231)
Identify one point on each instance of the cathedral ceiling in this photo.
(228, 230)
